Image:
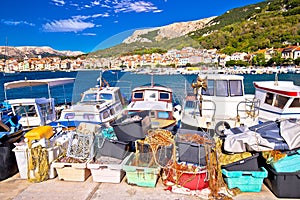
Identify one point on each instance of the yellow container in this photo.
(39, 133)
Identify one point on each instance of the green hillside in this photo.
(272, 23)
(247, 29)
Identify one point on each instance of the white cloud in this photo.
(83, 17)
(59, 2)
(89, 34)
(16, 23)
(139, 6)
(96, 3)
(68, 25)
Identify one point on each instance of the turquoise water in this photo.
(126, 81)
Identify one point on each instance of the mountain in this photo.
(168, 32)
(271, 23)
(34, 51)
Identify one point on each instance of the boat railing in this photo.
(208, 109)
(248, 108)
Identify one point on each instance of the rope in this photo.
(38, 166)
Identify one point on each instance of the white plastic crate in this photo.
(110, 170)
(21, 153)
(72, 171)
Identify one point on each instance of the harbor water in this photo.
(70, 93)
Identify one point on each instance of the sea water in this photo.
(71, 93)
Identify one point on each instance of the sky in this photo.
(88, 25)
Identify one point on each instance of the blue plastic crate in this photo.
(290, 163)
(246, 181)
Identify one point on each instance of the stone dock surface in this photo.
(18, 189)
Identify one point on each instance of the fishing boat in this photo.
(279, 100)
(100, 105)
(158, 101)
(218, 102)
(10, 129)
(36, 111)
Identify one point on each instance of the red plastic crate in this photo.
(191, 180)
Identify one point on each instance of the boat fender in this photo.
(220, 127)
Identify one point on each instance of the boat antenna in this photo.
(152, 81)
(276, 79)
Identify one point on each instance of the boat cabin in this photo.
(96, 106)
(152, 93)
(157, 100)
(34, 112)
(218, 98)
(279, 100)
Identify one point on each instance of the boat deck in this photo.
(16, 188)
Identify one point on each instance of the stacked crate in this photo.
(284, 174)
(188, 169)
(73, 165)
(109, 156)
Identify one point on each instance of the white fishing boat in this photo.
(98, 105)
(218, 102)
(158, 101)
(35, 111)
(279, 100)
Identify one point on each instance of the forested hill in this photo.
(273, 23)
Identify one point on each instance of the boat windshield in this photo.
(90, 97)
(93, 97)
(25, 110)
(105, 96)
(295, 103)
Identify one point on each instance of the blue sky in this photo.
(85, 25)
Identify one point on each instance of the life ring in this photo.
(220, 127)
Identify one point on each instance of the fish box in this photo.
(107, 169)
(191, 146)
(195, 179)
(22, 153)
(111, 148)
(130, 129)
(247, 164)
(290, 163)
(283, 184)
(246, 181)
(140, 174)
(72, 171)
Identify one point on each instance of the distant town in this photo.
(185, 58)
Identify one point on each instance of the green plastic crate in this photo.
(140, 175)
(246, 181)
(290, 163)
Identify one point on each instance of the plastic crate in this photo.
(107, 169)
(140, 175)
(72, 171)
(247, 164)
(246, 181)
(290, 163)
(80, 146)
(129, 130)
(161, 157)
(283, 184)
(189, 151)
(191, 180)
(112, 148)
(21, 153)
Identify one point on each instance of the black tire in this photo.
(220, 127)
